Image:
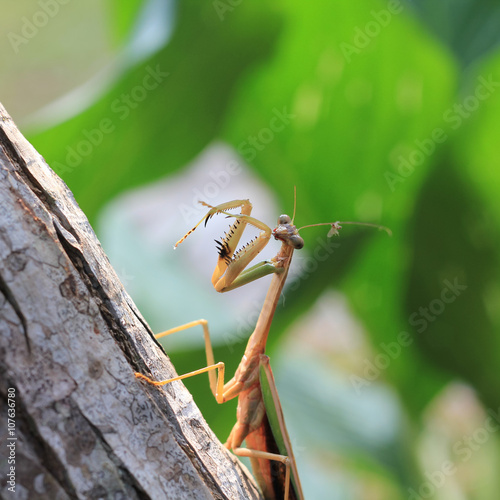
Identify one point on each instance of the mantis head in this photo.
(286, 232)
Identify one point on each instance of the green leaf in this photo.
(124, 16)
(468, 27)
(449, 277)
(472, 235)
(160, 115)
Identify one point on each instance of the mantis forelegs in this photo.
(230, 270)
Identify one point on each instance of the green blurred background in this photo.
(385, 350)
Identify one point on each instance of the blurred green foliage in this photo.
(379, 111)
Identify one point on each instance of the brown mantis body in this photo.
(260, 422)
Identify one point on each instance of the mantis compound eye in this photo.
(296, 241)
(284, 219)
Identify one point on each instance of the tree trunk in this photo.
(75, 422)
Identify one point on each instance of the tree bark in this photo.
(75, 422)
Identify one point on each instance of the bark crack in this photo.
(27, 428)
(11, 299)
(126, 475)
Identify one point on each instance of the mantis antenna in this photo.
(294, 202)
(335, 226)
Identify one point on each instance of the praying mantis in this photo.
(260, 422)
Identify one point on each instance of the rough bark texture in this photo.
(70, 341)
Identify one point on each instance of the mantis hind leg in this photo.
(265, 473)
(255, 455)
